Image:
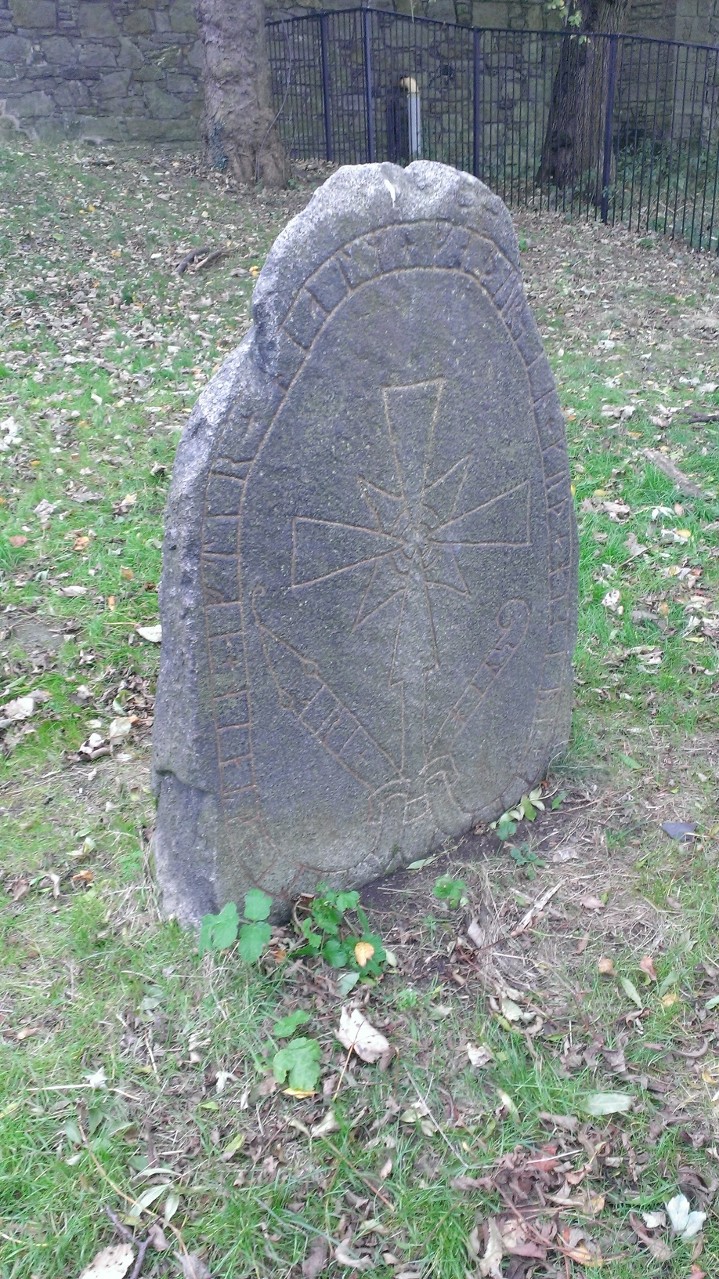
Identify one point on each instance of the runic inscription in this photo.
(369, 577)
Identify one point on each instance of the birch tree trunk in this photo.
(239, 125)
(573, 147)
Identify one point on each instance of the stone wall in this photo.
(130, 69)
(111, 69)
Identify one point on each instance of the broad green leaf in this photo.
(286, 1026)
(450, 890)
(172, 1203)
(505, 829)
(298, 1063)
(607, 1103)
(347, 901)
(150, 1195)
(528, 809)
(325, 915)
(257, 904)
(217, 932)
(253, 939)
(630, 989)
(334, 953)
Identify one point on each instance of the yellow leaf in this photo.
(669, 1000)
(127, 574)
(300, 1093)
(364, 950)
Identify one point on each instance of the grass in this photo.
(127, 1062)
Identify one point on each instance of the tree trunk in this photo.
(573, 147)
(239, 125)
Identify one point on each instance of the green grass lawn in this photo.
(136, 1076)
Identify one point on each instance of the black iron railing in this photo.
(619, 127)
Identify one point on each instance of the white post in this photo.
(414, 116)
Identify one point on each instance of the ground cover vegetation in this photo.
(527, 1067)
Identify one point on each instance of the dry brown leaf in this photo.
(192, 1266)
(346, 1258)
(110, 1263)
(316, 1260)
(657, 1247)
(356, 1033)
(647, 966)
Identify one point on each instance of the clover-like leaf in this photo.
(298, 1063)
(253, 939)
(217, 932)
(257, 904)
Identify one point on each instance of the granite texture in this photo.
(369, 584)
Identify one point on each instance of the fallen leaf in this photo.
(591, 903)
(153, 634)
(654, 1220)
(685, 1223)
(17, 540)
(127, 503)
(316, 1260)
(363, 952)
(657, 1247)
(119, 729)
(647, 966)
(19, 708)
(631, 991)
(343, 1255)
(606, 966)
(562, 855)
(613, 601)
(356, 1033)
(479, 1057)
(325, 1126)
(490, 1265)
(607, 1103)
(192, 1266)
(110, 1263)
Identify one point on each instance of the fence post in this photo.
(368, 85)
(608, 126)
(476, 120)
(329, 150)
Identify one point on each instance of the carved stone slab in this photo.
(368, 594)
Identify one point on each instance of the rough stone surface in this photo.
(368, 594)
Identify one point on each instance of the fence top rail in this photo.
(514, 31)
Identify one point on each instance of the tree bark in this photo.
(573, 147)
(239, 124)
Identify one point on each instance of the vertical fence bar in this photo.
(609, 127)
(326, 110)
(476, 114)
(369, 85)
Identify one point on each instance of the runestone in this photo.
(368, 597)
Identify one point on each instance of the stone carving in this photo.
(368, 595)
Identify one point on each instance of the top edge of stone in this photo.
(358, 199)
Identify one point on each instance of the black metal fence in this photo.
(619, 127)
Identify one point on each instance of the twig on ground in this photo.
(128, 1236)
(191, 257)
(211, 257)
(678, 478)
